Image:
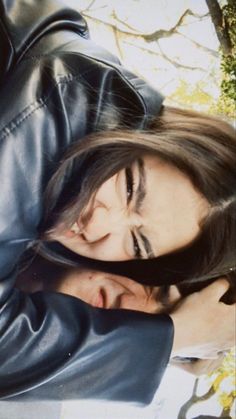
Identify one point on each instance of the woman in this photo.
(65, 345)
(99, 289)
(109, 291)
(159, 193)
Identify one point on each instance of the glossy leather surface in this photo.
(56, 86)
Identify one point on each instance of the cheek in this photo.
(80, 285)
(110, 250)
(74, 244)
(131, 302)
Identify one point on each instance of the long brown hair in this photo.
(202, 147)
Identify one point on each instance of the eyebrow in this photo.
(139, 198)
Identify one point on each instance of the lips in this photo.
(75, 231)
(100, 300)
(106, 299)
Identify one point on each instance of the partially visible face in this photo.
(105, 290)
(144, 211)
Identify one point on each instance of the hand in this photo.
(203, 324)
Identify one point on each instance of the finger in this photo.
(217, 289)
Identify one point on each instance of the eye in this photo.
(137, 250)
(129, 184)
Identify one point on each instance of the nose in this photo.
(105, 221)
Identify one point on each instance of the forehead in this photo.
(161, 173)
(157, 168)
(173, 207)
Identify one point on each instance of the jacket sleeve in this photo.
(53, 346)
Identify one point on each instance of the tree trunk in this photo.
(221, 27)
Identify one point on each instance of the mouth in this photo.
(75, 231)
(101, 299)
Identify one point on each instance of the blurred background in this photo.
(184, 48)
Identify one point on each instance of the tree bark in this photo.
(221, 27)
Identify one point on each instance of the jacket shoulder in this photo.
(24, 22)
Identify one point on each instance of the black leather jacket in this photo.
(54, 346)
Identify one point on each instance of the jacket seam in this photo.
(32, 107)
(6, 130)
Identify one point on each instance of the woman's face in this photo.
(146, 210)
(105, 290)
